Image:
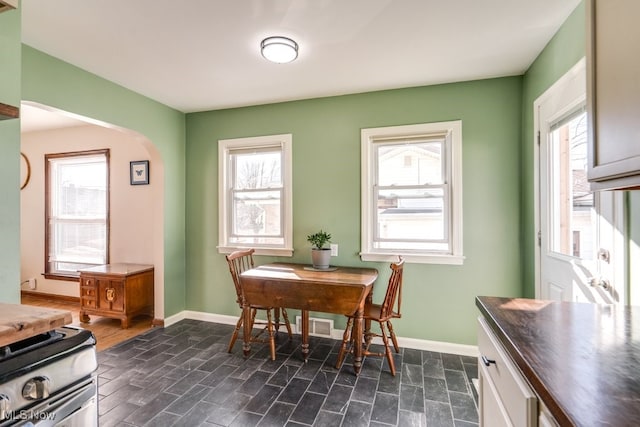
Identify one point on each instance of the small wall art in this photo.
(139, 172)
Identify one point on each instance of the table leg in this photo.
(357, 342)
(305, 335)
(246, 336)
(84, 317)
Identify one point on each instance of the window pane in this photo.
(411, 214)
(79, 188)
(259, 169)
(257, 213)
(79, 242)
(573, 212)
(410, 164)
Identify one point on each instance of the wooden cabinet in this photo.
(120, 291)
(505, 398)
(613, 93)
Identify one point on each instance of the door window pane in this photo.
(573, 211)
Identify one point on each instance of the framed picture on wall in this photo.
(139, 172)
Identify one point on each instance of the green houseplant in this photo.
(320, 256)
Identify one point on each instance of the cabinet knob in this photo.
(487, 362)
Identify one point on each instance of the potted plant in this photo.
(320, 256)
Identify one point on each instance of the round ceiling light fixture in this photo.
(279, 49)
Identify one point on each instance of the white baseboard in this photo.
(199, 315)
(414, 343)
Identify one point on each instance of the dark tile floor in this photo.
(182, 375)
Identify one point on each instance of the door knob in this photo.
(599, 281)
(604, 255)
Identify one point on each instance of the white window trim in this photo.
(51, 258)
(454, 130)
(224, 147)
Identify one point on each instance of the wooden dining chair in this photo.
(381, 313)
(240, 261)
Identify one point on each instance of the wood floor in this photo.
(107, 331)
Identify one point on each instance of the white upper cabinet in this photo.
(613, 93)
(8, 5)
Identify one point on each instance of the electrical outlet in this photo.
(32, 283)
(334, 249)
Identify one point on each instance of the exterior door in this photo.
(579, 229)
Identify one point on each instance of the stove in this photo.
(49, 380)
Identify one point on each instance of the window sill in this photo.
(61, 277)
(258, 250)
(413, 258)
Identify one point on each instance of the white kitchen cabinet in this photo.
(613, 93)
(545, 419)
(505, 398)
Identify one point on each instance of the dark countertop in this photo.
(582, 360)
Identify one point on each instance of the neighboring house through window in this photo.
(412, 193)
(77, 212)
(255, 194)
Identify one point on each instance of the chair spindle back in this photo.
(393, 297)
(239, 261)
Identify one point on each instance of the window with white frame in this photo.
(255, 194)
(77, 209)
(412, 193)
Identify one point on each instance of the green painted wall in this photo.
(438, 300)
(10, 159)
(563, 51)
(52, 82)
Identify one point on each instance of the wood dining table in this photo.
(339, 290)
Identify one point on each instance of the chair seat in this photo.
(373, 312)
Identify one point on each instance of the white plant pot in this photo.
(321, 258)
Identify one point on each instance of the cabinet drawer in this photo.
(88, 303)
(87, 281)
(516, 396)
(87, 292)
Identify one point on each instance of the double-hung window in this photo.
(255, 194)
(77, 212)
(412, 193)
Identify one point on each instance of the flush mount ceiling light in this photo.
(279, 49)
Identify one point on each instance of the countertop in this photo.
(18, 322)
(118, 269)
(582, 360)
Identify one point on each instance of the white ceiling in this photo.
(196, 55)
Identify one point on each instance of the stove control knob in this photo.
(36, 388)
(5, 407)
